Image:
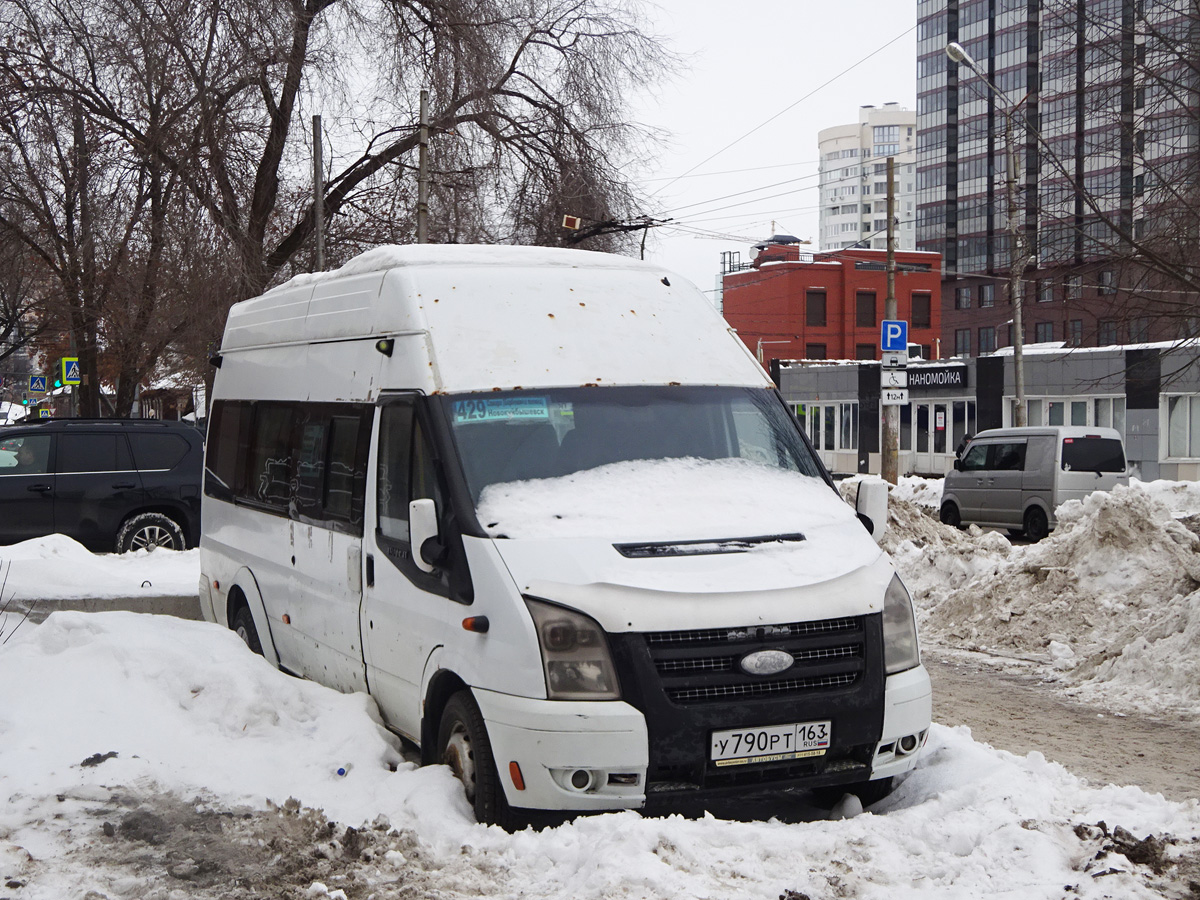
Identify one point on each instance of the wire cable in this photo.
(786, 109)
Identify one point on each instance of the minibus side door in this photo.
(329, 478)
(405, 610)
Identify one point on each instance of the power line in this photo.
(807, 162)
(786, 109)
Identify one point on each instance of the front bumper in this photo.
(553, 739)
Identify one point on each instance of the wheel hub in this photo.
(460, 759)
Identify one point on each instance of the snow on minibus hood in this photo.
(646, 544)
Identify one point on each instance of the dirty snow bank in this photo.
(1108, 604)
(119, 716)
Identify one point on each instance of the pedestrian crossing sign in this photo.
(37, 384)
(43, 414)
(70, 370)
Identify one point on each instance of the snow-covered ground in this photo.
(147, 756)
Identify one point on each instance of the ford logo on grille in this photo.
(766, 662)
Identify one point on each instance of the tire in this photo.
(1036, 524)
(1016, 532)
(868, 792)
(463, 745)
(149, 531)
(950, 515)
(243, 627)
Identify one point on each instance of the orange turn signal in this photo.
(287, 620)
(478, 624)
(514, 772)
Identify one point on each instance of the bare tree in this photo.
(129, 117)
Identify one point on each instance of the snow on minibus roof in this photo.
(392, 256)
(476, 318)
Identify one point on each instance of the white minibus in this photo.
(549, 512)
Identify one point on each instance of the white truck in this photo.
(550, 513)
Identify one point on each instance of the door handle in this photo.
(39, 488)
(370, 570)
(126, 485)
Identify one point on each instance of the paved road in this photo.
(1017, 714)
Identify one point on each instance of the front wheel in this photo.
(950, 514)
(464, 746)
(1036, 524)
(149, 531)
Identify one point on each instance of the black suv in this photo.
(111, 484)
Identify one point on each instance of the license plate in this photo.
(772, 743)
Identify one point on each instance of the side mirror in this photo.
(958, 465)
(871, 506)
(423, 534)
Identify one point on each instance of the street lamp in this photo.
(1019, 251)
(759, 353)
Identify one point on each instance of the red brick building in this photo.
(789, 304)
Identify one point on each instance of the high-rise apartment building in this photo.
(1097, 100)
(853, 172)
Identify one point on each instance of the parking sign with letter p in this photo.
(894, 335)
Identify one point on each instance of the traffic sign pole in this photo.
(894, 338)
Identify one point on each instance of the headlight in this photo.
(899, 629)
(574, 654)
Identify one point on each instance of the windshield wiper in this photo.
(703, 547)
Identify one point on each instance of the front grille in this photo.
(759, 688)
(722, 635)
(702, 666)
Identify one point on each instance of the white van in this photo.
(1016, 478)
(545, 507)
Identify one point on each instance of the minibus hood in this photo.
(834, 570)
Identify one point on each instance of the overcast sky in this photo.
(771, 75)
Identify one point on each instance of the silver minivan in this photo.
(1016, 478)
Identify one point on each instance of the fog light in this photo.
(908, 744)
(581, 779)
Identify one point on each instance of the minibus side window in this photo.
(269, 471)
(228, 435)
(408, 471)
(346, 473)
(395, 447)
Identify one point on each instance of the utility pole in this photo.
(318, 193)
(890, 445)
(1017, 260)
(423, 173)
(1018, 243)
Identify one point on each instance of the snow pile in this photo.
(57, 567)
(1107, 600)
(932, 558)
(119, 717)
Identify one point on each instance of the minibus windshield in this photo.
(521, 435)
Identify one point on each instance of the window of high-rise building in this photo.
(987, 295)
(962, 298)
(962, 342)
(987, 339)
(1075, 333)
(1043, 332)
